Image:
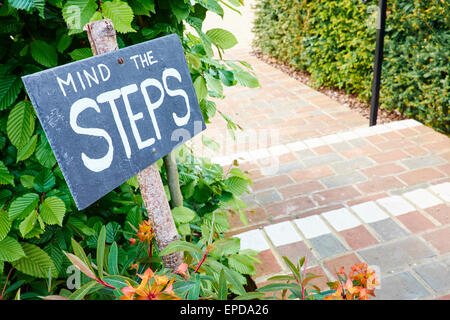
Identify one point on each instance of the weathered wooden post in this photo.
(102, 37)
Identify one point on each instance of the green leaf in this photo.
(212, 5)
(27, 150)
(5, 225)
(44, 181)
(44, 153)
(20, 125)
(214, 84)
(77, 13)
(236, 185)
(112, 230)
(10, 87)
(36, 262)
(23, 205)
(101, 251)
(210, 143)
(5, 176)
(79, 252)
(44, 53)
(83, 291)
(180, 9)
(10, 250)
(28, 223)
(63, 43)
(200, 88)
(113, 267)
(183, 214)
(246, 79)
(222, 38)
(222, 294)
(250, 296)
(28, 4)
(280, 286)
(241, 264)
(120, 13)
(52, 210)
(180, 245)
(81, 53)
(232, 278)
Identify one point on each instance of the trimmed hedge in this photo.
(334, 40)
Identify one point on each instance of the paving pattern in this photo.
(327, 186)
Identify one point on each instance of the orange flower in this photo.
(145, 231)
(152, 287)
(359, 284)
(132, 241)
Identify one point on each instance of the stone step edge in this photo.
(261, 239)
(278, 150)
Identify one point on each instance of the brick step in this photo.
(332, 172)
(405, 237)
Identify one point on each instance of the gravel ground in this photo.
(349, 100)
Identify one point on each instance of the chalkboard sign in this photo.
(110, 116)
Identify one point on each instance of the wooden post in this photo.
(102, 38)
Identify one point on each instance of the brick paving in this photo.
(327, 185)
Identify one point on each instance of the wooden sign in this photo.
(111, 116)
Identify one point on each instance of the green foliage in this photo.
(335, 41)
(39, 221)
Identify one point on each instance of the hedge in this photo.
(334, 40)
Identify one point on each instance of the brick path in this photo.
(327, 185)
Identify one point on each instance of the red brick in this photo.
(301, 189)
(321, 282)
(311, 173)
(441, 213)
(322, 150)
(416, 222)
(447, 297)
(254, 216)
(391, 136)
(286, 158)
(290, 207)
(366, 199)
(389, 156)
(379, 184)
(271, 182)
(358, 238)
(440, 239)
(382, 170)
(376, 139)
(334, 195)
(445, 168)
(420, 175)
(438, 146)
(358, 152)
(294, 251)
(346, 261)
(416, 151)
(396, 144)
(407, 132)
(269, 264)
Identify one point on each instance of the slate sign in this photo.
(110, 116)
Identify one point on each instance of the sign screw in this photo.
(120, 61)
(154, 150)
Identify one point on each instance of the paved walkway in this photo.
(327, 185)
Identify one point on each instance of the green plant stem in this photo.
(6, 283)
(173, 180)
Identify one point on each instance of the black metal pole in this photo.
(381, 26)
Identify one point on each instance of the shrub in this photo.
(39, 221)
(335, 40)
